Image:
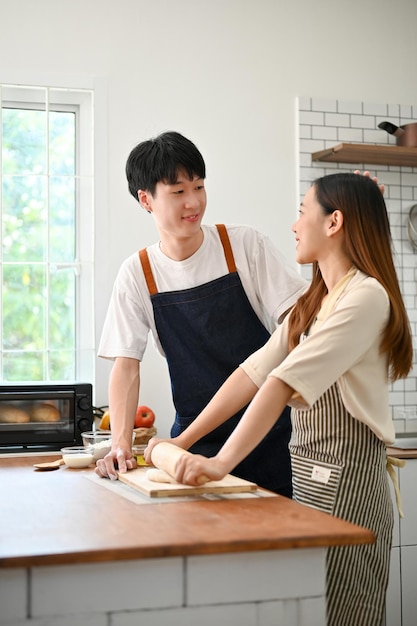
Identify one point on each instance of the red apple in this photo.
(145, 417)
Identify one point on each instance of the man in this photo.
(210, 295)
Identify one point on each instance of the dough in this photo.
(10, 414)
(159, 476)
(44, 413)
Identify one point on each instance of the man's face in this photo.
(179, 208)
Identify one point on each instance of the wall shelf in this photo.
(368, 153)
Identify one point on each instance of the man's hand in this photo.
(118, 460)
(374, 178)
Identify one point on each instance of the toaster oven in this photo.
(36, 417)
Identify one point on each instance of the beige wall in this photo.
(226, 73)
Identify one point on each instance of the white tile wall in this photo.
(326, 122)
(223, 578)
(267, 588)
(227, 615)
(140, 587)
(13, 595)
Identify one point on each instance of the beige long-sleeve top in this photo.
(343, 348)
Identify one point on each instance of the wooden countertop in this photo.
(61, 517)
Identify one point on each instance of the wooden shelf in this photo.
(368, 153)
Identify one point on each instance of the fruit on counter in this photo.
(105, 421)
(144, 418)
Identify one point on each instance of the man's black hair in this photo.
(160, 159)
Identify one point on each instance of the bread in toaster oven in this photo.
(44, 413)
(10, 414)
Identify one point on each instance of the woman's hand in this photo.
(148, 450)
(154, 441)
(196, 469)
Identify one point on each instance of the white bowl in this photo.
(95, 436)
(98, 443)
(77, 457)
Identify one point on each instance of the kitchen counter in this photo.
(62, 526)
(59, 516)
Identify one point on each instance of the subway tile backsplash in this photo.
(323, 123)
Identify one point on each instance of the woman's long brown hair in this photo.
(368, 244)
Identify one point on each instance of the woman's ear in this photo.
(336, 222)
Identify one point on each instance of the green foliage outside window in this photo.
(38, 245)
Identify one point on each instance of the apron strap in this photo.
(146, 266)
(391, 462)
(228, 253)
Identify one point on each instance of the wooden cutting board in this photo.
(229, 484)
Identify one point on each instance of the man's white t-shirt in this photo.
(271, 285)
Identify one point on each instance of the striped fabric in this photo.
(339, 466)
(318, 494)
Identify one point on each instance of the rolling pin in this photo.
(165, 457)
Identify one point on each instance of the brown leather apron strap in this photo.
(228, 252)
(146, 266)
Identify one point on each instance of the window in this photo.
(46, 221)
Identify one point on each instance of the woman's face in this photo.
(310, 229)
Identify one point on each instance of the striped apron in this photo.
(339, 467)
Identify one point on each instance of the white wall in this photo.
(225, 73)
(325, 123)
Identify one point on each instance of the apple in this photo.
(144, 418)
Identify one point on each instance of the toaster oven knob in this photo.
(84, 425)
(84, 403)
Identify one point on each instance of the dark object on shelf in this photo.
(406, 135)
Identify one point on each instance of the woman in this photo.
(331, 361)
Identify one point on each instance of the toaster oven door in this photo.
(39, 420)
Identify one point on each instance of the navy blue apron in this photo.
(205, 332)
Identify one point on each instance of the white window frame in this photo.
(89, 96)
